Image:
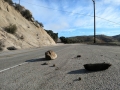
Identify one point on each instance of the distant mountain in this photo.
(117, 37)
(90, 39)
(105, 38)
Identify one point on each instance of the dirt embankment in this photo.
(33, 36)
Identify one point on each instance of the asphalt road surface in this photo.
(24, 69)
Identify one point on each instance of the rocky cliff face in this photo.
(28, 34)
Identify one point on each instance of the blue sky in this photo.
(75, 17)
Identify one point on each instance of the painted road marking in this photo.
(13, 67)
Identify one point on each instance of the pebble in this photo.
(57, 68)
(79, 78)
(53, 65)
(78, 56)
(45, 63)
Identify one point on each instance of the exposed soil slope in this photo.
(34, 36)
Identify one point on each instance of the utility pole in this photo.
(19, 5)
(94, 22)
(19, 2)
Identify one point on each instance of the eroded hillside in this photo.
(28, 35)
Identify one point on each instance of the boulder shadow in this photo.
(52, 66)
(37, 60)
(81, 71)
(76, 80)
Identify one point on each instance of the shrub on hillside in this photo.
(53, 35)
(27, 14)
(41, 25)
(18, 7)
(9, 1)
(68, 40)
(11, 29)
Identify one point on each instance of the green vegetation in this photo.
(11, 29)
(105, 38)
(53, 35)
(9, 1)
(41, 25)
(67, 40)
(27, 14)
(89, 39)
(24, 12)
(117, 37)
(18, 7)
(77, 39)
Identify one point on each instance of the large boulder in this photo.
(50, 55)
(97, 66)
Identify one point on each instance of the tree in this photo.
(63, 39)
(53, 35)
(19, 8)
(27, 14)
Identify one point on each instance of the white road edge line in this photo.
(17, 65)
(12, 67)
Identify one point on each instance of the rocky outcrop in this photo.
(28, 34)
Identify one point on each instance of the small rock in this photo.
(45, 63)
(79, 78)
(32, 19)
(57, 68)
(7, 8)
(78, 56)
(53, 65)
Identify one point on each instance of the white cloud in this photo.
(57, 20)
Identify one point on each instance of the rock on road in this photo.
(67, 73)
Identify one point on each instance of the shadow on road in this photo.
(81, 71)
(36, 60)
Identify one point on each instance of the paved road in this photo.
(11, 58)
(64, 76)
